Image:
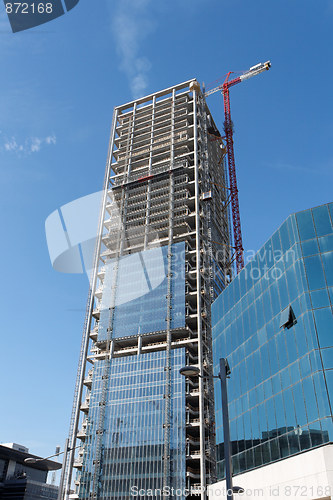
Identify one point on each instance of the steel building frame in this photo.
(164, 183)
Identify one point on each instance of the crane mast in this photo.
(228, 128)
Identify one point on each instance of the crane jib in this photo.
(224, 88)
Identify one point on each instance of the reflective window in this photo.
(292, 229)
(330, 206)
(328, 267)
(299, 404)
(310, 399)
(310, 330)
(305, 225)
(310, 247)
(321, 393)
(322, 220)
(329, 380)
(305, 366)
(324, 325)
(327, 357)
(320, 298)
(326, 243)
(315, 273)
(294, 372)
(285, 239)
(327, 424)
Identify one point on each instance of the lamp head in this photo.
(237, 489)
(189, 371)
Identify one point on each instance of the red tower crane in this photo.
(228, 127)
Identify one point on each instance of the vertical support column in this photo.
(167, 368)
(146, 238)
(85, 337)
(207, 264)
(198, 262)
(106, 375)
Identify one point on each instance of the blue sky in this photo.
(59, 85)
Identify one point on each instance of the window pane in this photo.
(330, 206)
(302, 346)
(322, 220)
(327, 356)
(324, 324)
(315, 434)
(276, 242)
(280, 416)
(305, 439)
(320, 298)
(321, 393)
(311, 334)
(305, 225)
(310, 399)
(330, 290)
(294, 372)
(328, 267)
(292, 227)
(289, 407)
(291, 345)
(310, 247)
(326, 243)
(284, 234)
(314, 271)
(275, 300)
(294, 442)
(315, 360)
(283, 292)
(292, 283)
(327, 426)
(329, 380)
(305, 366)
(268, 388)
(299, 404)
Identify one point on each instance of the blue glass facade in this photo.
(133, 430)
(281, 386)
(140, 286)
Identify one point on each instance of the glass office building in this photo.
(20, 480)
(139, 424)
(274, 324)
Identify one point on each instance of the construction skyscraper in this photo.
(162, 257)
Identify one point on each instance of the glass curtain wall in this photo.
(141, 281)
(274, 323)
(134, 433)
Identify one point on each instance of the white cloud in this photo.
(35, 145)
(132, 23)
(51, 139)
(27, 146)
(11, 145)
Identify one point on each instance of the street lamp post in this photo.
(190, 371)
(32, 460)
(63, 468)
(224, 373)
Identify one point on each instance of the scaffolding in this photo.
(165, 183)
